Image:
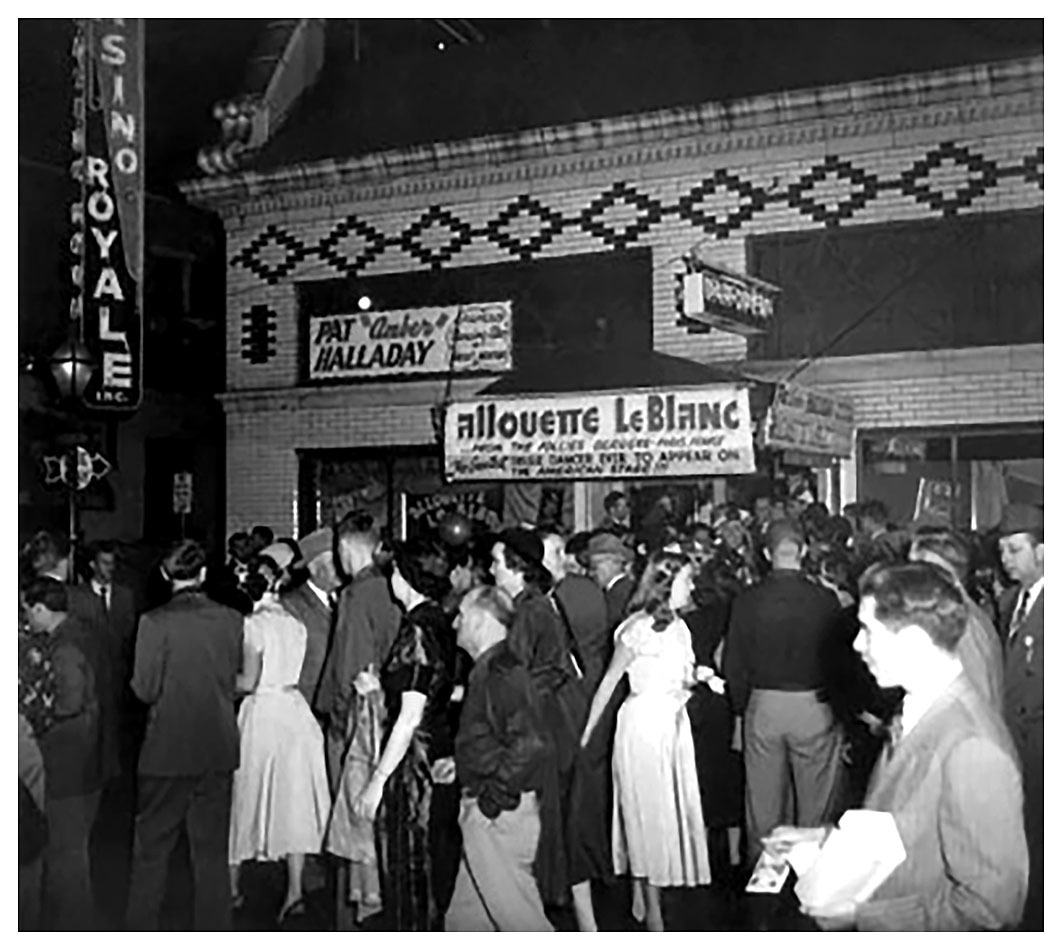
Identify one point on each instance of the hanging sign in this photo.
(685, 431)
(728, 301)
(111, 213)
(77, 468)
(809, 422)
(425, 511)
(467, 338)
(182, 493)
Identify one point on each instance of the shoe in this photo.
(294, 909)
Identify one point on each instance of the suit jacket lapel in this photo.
(918, 744)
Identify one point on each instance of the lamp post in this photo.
(72, 365)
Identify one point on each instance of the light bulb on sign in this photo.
(364, 302)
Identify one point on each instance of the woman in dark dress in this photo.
(720, 771)
(418, 751)
(538, 638)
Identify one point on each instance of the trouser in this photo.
(335, 749)
(444, 836)
(202, 804)
(68, 900)
(496, 888)
(1033, 918)
(792, 747)
(29, 894)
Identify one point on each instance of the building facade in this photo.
(879, 179)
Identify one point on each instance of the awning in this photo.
(581, 371)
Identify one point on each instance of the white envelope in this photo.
(853, 862)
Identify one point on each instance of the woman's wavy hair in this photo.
(534, 573)
(654, 589)
(424, 566)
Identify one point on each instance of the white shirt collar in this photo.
(916, 705)
(1034, 592)
(100, 588)
(321, 595)
(615, 580)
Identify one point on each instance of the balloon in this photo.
(455, 529)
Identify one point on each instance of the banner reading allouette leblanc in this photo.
(684, 431)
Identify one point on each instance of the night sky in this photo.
(525, 73)
(404, 90)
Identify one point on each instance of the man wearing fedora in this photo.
(313, 602)
(1021, 549)
(610, 560)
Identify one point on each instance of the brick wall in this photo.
(975, 148)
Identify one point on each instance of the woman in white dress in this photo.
(658, 832)
(280, 795)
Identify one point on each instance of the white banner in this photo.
(685, 431)
(807, 421)
(414, 341)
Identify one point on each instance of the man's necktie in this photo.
(103, 599)
(895, 734)
(1020, 611)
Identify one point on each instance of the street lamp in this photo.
(72, 367)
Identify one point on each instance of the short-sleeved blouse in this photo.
(418, 662)
(663, 659)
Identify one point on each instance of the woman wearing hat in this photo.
(538, 638)
(280, 796)
(417, 681)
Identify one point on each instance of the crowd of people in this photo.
(468, 732)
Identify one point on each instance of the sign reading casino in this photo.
(108, 243)
(467, 338)
(630, 434)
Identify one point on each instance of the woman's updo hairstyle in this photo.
(185, 561)
(257, 582)
(425, 567)
(653, 595)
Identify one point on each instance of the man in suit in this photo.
(949, 778)
(610, 561)
(312, 602)
(774, 663)
(188, 654)
(978, 648)
(118, 611)
(581, 605)
(366, 625)
(51, 557)
(617, 518)
(71, 754)
(1021, 548)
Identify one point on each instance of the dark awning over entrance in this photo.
(577, 372)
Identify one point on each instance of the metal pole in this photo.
(71, 567)
(955, 510)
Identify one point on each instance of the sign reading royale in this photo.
(629, 434)
(467, 338)
(729, 301)
(110, 214)
(805, 421)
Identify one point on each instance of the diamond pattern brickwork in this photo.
(946, 180)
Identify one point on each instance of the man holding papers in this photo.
(949, 780)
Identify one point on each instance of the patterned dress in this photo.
(417, 663)
(36, 680)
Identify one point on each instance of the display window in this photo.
(962, 477)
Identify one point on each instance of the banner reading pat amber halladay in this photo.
(468, 338)
(685, 431)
